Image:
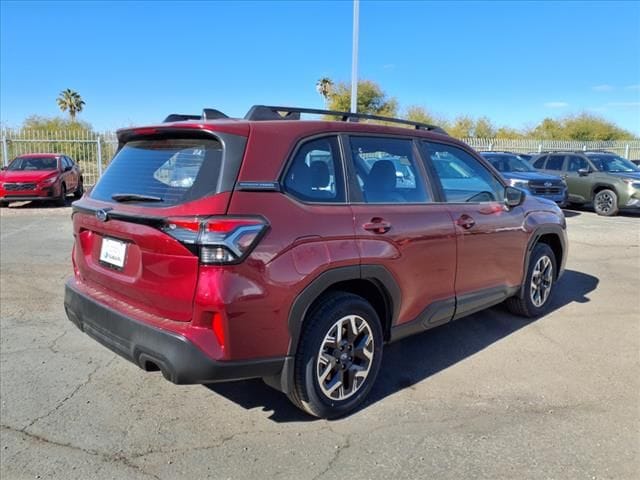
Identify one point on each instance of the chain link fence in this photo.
(93, 150)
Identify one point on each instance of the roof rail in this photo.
(207, 114)
(265, 112)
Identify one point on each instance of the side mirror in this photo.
(3, 168)
(513, 197)
(583, 172)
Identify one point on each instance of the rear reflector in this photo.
(218, 329)
(219, 240)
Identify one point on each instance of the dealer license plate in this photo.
(113, 252)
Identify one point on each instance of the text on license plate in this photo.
(113, 252)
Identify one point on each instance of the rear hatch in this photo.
(135, 234)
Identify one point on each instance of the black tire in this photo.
(605, 203)
(323, 318)
(526, 304)
(61, 201)
(4, 204)
(79, 189)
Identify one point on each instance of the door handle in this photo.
(377, 225)
(465, 221)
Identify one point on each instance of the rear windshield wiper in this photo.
(134, 197)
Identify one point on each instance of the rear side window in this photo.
(576, 163)
(555, 162)
(386, 170)
(315, 174)
(170, 170)
(539, 163)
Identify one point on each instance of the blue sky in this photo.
(133, 63)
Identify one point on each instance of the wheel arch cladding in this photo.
(551, 235)
(553, 241)
(598, 187)
(372, 282)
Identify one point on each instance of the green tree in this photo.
(55, 124)
(548, 129)
(484, 128)
(52, 135)
(585, 127)
(71, 101)
(508, 133)
(462, 127)
(420, 114)
(324, 86)
(371, 99)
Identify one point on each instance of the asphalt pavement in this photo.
(490, 396)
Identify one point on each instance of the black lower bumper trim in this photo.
(23, 198)
(180, 360)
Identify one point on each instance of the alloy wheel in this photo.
(345, 357)
(604, 202)
(541, 281)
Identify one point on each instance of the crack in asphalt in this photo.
(338, 451)
(53, 344)
(68, 397)
(104, 456)
(217, 444)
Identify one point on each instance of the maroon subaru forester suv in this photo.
(292, 250)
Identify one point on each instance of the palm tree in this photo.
(72, 101)
(324, 87)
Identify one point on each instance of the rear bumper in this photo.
(178, 358)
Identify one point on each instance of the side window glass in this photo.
(315, 175)
(555, 162)
(386, 170)
(539, 163)
(576, 163)
(64, 162)
(463, 177)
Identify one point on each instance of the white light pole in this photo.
(354, 58)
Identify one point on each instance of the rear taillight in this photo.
(217, 240)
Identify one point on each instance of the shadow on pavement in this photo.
(416, 358)
(571, 213)
(574, 211)
(46, 204)
(630, 213)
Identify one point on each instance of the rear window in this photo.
(170, 171)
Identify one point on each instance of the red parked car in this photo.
(40, 176)
(218, 249)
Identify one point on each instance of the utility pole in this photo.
(354, 58)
